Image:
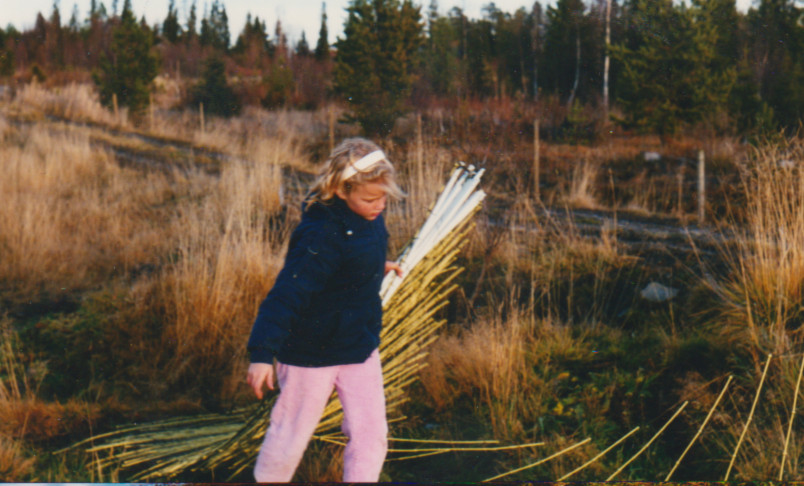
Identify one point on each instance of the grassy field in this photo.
(133, 257)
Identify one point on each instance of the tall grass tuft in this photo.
(70, 216)
(74, 101)
(229, 249)
(762, 297)
(583, 186)
(194, 252)
(486, 362)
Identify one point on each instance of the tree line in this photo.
(649, 65)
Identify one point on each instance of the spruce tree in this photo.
(669, 74)
(568, 49)
(302, 47)
(776, 46)
(214, 91)
(215, 28)
(6, 53)
(130, 67)
(170, 27)
(322, 46)
(191, 20)
(441, 56)
(375, 61)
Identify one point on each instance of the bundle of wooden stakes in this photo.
(228, 443)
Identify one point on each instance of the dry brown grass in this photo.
(16, 396)
(762, 295)
(505, 366)
(71, 216)
(204, 248)
(256, 135)
(24, 417)
(582, 190)
(77, 102)
(228, 250)
(486, 362)
(421, 172)
(15, 464)
(759, 457)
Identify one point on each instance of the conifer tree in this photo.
(191, 20)
(375, 61)
(171, 30)
(214, 91)
(130, 66)
(6, 53)
(669, 75)
(777, 43)
(322, 46)
(441, 54)
(215, 28)
(569, 50)
(302, 47)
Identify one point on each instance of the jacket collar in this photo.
(338, 208)
(349, 217)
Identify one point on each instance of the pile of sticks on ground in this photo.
(216, 444)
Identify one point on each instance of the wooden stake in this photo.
(331, 114)
(680, 180)
(419, 153)
(606, 62)
(629, 461)
(201, 115)
(792, 416)
(536, 194)
(700, 429)
(151, 109)
(594, 459)
(114, 107)
(701, 186)
(419, 142)
(750, 416)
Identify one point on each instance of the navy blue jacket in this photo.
(324, 308)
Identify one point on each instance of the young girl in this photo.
(321, 320)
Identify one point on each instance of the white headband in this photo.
(363, 163)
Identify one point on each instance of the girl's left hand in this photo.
(393, 266)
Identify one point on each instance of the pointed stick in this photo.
(792, 416)
(542, 461)
(594, 459)
(700, 429)
(750, 416)
(468, 449)
(629, 461)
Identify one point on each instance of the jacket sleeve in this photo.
(312, 260)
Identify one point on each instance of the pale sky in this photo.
(296, 15)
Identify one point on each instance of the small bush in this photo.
(214, 91)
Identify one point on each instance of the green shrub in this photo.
(214, 91)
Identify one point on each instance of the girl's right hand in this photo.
(259, 373)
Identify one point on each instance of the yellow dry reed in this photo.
(537, 463)
(700, 429)
(792, 417)
(645, 447)
(597, 457)
(750, 416)
(231, 442)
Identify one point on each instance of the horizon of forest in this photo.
(651, 67)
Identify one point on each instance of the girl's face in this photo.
(366, 200)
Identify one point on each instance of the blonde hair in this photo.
(331, 178)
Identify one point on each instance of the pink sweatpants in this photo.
(304, 393)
